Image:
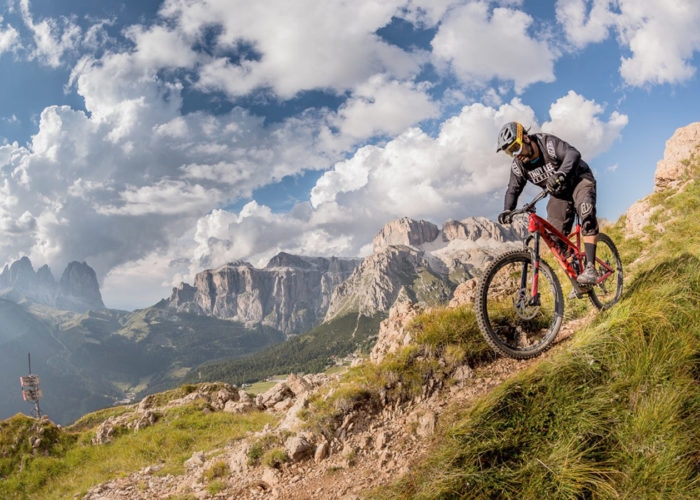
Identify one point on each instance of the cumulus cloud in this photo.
(661, 36)
(296, 45)
(379, 106)
(577, 120)
(128, 178)
(481, 44)
(584, 25)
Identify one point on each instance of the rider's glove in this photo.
(556, 183)
(505, 217)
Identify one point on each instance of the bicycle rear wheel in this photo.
(512, 322)
(606, 293)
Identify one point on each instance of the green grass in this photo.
(616, 414)
(275, 457)
(71, 464)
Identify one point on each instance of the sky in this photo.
(154, 139)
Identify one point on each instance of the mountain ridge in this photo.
(77, 290)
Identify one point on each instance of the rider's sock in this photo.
(590, 252)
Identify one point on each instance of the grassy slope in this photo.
(615, 414)
(67, 463)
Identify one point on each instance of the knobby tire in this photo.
(482, 306)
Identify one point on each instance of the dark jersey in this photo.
(555, 156)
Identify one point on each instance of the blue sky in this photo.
(154, 139)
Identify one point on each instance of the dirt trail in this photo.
(377, 464)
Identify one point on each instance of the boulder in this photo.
(297, 384)
(273, 396)
(321, 452)
(297, 448)
(465, 293)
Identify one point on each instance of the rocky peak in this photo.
(405, 231)
(44, 276)
(21, 271)
(670, 171)
(682, 145)
(284, 259)
(479, 228)
(423, 261)
(79, 288)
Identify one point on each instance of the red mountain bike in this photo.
(519, 303)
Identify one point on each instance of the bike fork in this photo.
(535, 257)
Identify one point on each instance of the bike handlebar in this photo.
(529, 207)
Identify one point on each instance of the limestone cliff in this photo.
(291, 293)
(424, 261)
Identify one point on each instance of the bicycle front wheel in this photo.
(512, 321)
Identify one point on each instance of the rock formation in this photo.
(77, 290)
(682, 145)
(291, 293)
(681, 148)
(424, 261)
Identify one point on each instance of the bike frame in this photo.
(540, 228)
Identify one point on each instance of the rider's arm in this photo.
(516, 184)
(568, 154)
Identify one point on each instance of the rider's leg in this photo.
(584, 200)
(560, 214)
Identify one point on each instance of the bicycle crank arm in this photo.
(578, 289)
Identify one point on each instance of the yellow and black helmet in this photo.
(510, 138)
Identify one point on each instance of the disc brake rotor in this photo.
(521, 303)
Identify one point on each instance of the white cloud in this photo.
(9, 38)
(166, 197)
(301, 45)
(482, 44)
(662, 36)
(82, 191)
(577, 120)
(378, 106)
(584, 25)
(159, 47)
(52, 37)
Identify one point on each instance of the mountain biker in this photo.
(549, 162)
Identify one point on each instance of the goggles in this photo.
(515, 148)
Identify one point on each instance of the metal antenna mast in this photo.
(30, 388)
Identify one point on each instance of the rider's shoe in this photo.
(572, 294)
(589, 276)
